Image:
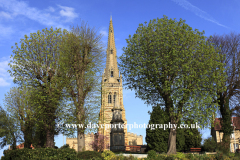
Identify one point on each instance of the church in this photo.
(111, 89)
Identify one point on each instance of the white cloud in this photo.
(5, 31)
(104, 32)
(5, 15)
(4, 83)
(67, 12)
(51, 9)
(188, 6)
(46, 17)
(4, 75)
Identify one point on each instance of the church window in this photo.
(111, 73)
(109, 98)
(105, 80)
(114, 97)
(111, 51)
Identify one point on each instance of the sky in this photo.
(19, 18)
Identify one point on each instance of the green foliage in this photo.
(65, 146)
(89, 155)
(180, 155)
(168, 63)
(209, 145)
(174, 66)
(157, 138)
(192, 137)
(40, 153)
(36, 64)
(189, 156)
(82, 60)
(10, 132)
(237, 155)
(151, 154)
(180, 139)
(19, 104)
(108, 155)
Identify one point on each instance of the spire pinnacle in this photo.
(111, 70)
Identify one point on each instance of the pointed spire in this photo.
(111, 41)
(111, 71)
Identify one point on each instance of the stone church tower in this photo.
(111, 88)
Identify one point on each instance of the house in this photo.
(217, 133)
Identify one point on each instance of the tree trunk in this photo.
(172, 142)
(14, 145)
(225, 123)
(50, 137)
(80, 140)
(28, 134)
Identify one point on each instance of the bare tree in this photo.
(229, 46)
(82, 62)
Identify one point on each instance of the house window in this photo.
(232, 135)
(111, 73)
(235, 146)
(109, 98)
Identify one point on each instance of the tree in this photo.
(36, 64)
(82, 61)
(169, 64)
(9, 131)
(157, 138)
(229, 46)
(18, 103)
(209, 144)
(99, 142)
(192, 137)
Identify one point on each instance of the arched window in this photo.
(110, 98)
(111, 73)
(114, 97)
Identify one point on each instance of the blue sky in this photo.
(18, 18)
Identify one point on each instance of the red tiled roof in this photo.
(20, 146)
(236, 123)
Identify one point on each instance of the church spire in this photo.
(111, 73)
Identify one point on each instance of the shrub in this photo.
(179, 155)
(237, 155)
(223, 147)
(41, 153)
(65, 146)
(170, 157)
(108, 155)
(209, 145)
(89, 155)
(151, 154)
